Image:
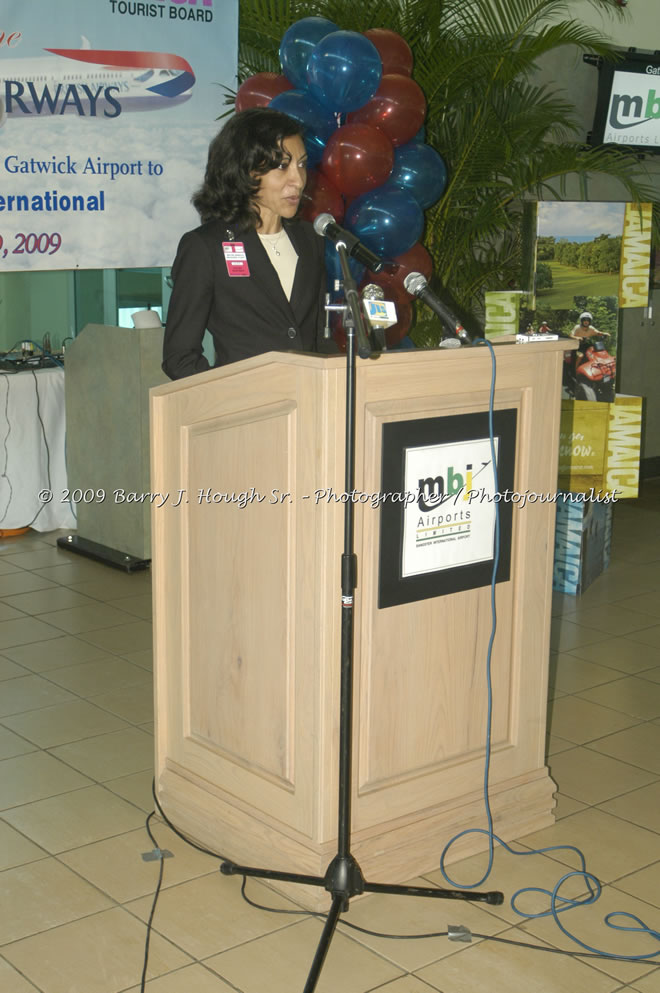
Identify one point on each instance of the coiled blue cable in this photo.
(557, 903)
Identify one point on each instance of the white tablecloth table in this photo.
(32, 451)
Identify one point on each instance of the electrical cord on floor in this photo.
(587, 954)
(157, 853)
(430, 934)
(179, 834)
(558, 904)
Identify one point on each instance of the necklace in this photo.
(272, 242)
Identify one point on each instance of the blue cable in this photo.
(489, 711)
(557, 903)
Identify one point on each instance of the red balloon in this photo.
(259, 90)
(357, 158)
(397, 108)
(394, 50)
(321, 197)
(416, 259)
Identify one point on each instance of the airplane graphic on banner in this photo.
(92, 83)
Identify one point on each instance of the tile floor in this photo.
(75, 775)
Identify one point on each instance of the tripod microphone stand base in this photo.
(344, 879)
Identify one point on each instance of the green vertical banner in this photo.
(502, 313)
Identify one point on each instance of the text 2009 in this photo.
(28, 244)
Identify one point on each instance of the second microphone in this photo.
(326, 226)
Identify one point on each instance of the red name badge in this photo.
(235, 258)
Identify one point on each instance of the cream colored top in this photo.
(282, 254)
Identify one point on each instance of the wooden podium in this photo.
(246, 559)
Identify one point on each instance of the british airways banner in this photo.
(107, 108)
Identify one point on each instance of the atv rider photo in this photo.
(585, 329)
(589, 373)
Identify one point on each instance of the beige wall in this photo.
(639, 27)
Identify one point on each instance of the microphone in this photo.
(372, 291)
(325, 226)
(417, 286)
(380, 312)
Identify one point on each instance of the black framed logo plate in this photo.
(440, 493)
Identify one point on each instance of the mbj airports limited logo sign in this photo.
(92, 83)
(633, 116)
(445, 527)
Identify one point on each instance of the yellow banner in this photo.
(624, 439)
(599, 446)
(582, 444)
(635, 256)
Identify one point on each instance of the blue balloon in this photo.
(419, 170)
(298, 44)
(344, 71)
(333, 267)
(388, 220)
(405, 343)
(317, 121)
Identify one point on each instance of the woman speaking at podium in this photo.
(252, 274)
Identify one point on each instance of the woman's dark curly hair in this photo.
(247, 147)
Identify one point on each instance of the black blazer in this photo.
(246, 315)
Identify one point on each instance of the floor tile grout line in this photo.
(38, 989)
(62, 586)
(619, 672)
(606, 682)
(161, 934)
(77, 695)
(637, 717)
(78, 789)
(65, 665)
(599, 806)
(655, 622)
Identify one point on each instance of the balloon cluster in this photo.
(368, 164)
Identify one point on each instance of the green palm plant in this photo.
(507, 140)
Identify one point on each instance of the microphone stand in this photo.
(354, 320)
(343, 877)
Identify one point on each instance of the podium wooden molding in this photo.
(246, 562)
